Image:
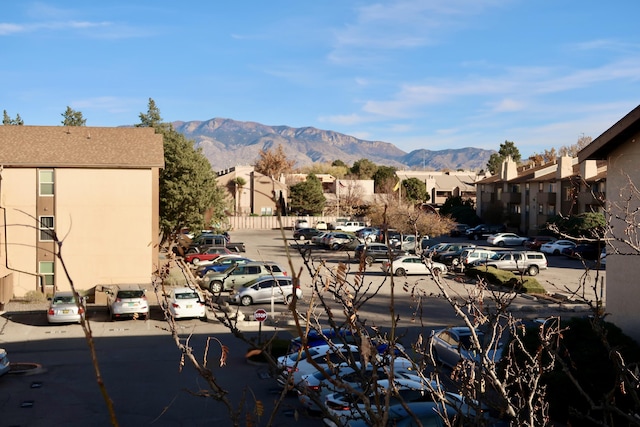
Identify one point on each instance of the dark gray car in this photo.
(239, 274)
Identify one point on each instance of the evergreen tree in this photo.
(307, 197)
(507, 149)
(73, 118)
(415, 191)
(188, 188)
(8, 121)
(364, 169)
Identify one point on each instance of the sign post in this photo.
(260, 315)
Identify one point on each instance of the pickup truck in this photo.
(206, 240)
(351, 226)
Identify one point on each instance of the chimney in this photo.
(509, 169)
(565, 167)
(588, 169)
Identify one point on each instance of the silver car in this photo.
(263, 289)
(128, 301)
(63, 308)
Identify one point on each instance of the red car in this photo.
(209, 254)
(534, 243)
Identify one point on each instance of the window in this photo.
(266, 211)
(46, 182)
(45, 269)
(46, 229)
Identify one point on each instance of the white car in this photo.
(506, 239)
(321, 225)
(344, 375)
(295, 365)
(555, 248)
(185, 302)
(64, 309)
(412, 264)
(5, 366)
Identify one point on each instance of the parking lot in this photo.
(140, 364)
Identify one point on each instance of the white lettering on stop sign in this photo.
(260, 315)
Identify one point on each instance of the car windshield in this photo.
(465, 340)
(187, 295)
(130, 294)
(64, 299)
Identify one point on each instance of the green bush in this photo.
(507, 279)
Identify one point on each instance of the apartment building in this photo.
(95, 189)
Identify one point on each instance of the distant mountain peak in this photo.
(227, 143)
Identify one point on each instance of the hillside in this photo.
(227, 143)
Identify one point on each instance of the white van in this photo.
(469, 256)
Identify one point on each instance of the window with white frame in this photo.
(45, 179)
(46, 228)
(45, 269)
(266, 211)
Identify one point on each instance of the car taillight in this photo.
(284, 273)
(174, 305)
(291, 369)
(51, 311)
(118, 300)
(337, 406)
(80, 310)
(313, 387)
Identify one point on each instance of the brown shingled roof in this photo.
(80, 146)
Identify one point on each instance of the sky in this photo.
(420, 74)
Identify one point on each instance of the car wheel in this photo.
(195, 260)
(455, 261)
(437, 271)
(501, 244)
(215, 287)
(556, 252)
(288, 299)
(246, 301)
(301, 237)
(533, 270)
(369, 260)
(335, 246)
(401, 272)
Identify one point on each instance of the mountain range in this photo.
(227, 143)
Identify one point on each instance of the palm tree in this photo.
(239, 183)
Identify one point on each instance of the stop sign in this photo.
(260, 315)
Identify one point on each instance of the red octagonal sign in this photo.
(260, 315)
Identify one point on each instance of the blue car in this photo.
(316, 338)
(221, 264)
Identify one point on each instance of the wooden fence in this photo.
(271, 222)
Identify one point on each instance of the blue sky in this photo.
(426, 74)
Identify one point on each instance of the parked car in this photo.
(506, 239)
(470, 255)
(344, 375)
(305, 233)
(439, 250)
(351, 226)
(556, 247)
(318, 239)
(412, 264)
(185, 302)
(534, 243)
(484, 230)
(127, 301)
(321, 225)
(583, 251)
(5, 365)
(294, 366)
(407, 243)
(369, 234)
(240, 274)
(372, 252)
(64, 309)
(530, 262)
(264, 289)
(221, 263)
(210, 253)
(451, 258)
(459, 230)
(603, 257)
(207, 240)
(346, 405)
(451, 345)
(301, 223)
(338, 222)
(335, 239)
(428, 414)
(316, 338)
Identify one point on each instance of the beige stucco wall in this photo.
(105, 219)
(18, 235)
(623, 271)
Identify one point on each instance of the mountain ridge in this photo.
(227, 143)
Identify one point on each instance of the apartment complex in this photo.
(95, 190)
(526, 197)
